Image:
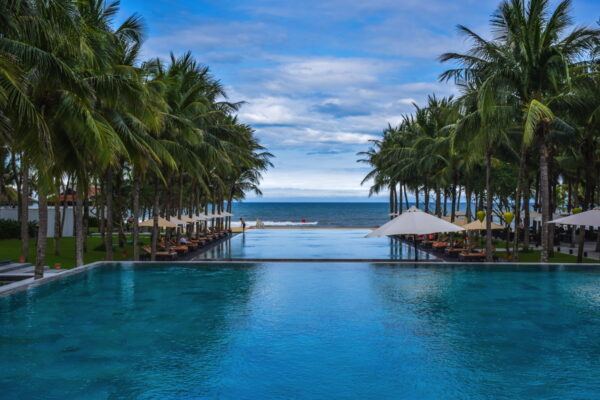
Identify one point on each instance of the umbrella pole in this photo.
(416, 253)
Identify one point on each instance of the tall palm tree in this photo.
(528, 64)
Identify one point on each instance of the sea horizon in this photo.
(317, 214)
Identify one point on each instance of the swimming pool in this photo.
(305, 331)
(312, 244)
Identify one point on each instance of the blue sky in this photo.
(320, 77)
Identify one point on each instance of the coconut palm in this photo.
(529, 64)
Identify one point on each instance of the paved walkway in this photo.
(566, 248)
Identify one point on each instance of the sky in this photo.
(320, 78)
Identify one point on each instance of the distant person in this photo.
(183, 241)
(243, 225)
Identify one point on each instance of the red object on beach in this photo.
(303, 221)
(21, 260)
(57, 266)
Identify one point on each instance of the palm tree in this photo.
(529, 65)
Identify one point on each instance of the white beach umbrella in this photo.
(586, 218)
(537, 216)
(457, 221)
(478, 225)
(162, 223)
(200, 217)
(415, 222)
(177, 221)
(187, 219)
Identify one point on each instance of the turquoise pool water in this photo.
(314, 244)
(305, 331)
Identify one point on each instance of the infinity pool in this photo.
(305, 331)
(314, 244)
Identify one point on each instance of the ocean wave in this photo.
(250, 224)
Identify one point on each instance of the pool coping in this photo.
(30, 283)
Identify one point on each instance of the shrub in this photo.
(93, 222)
(11, 229)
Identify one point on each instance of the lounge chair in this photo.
(161, 255)
(454, 252)
(475, 256)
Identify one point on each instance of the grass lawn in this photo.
(11, 249)
(534, 256)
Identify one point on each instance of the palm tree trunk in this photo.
(544, 197)
(86, 221)
(586, 204)
(576, 204)
(180, 205)
(57, 219)
(426, 197)
(79, 223)
(526, 221)
(438, 202)
(64, 206)
(108, 240)
(155, 217)
(400, 201)
(468, 200)
(445, 201)
(102, 211)
(488, 212)
(24, 217)
(391, 203)
(42, 235)
(551, 209)
(135, 230)
(518, 193)
(581, 243)
(417, 197)
(453, 196)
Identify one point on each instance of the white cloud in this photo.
(272, 110)
(313, 85)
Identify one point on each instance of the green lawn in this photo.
(534, 256)
(11, 249)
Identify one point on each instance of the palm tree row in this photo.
(80, 110)
(525, 126)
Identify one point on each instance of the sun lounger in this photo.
(454, 252)
(440, 246)
(161, 255)
(427, 243)
(475, 256)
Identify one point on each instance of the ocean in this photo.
(363, 215)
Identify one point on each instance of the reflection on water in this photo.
(306, 330)
(312, 244)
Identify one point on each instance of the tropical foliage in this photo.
(525, 126)
(81, 116)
